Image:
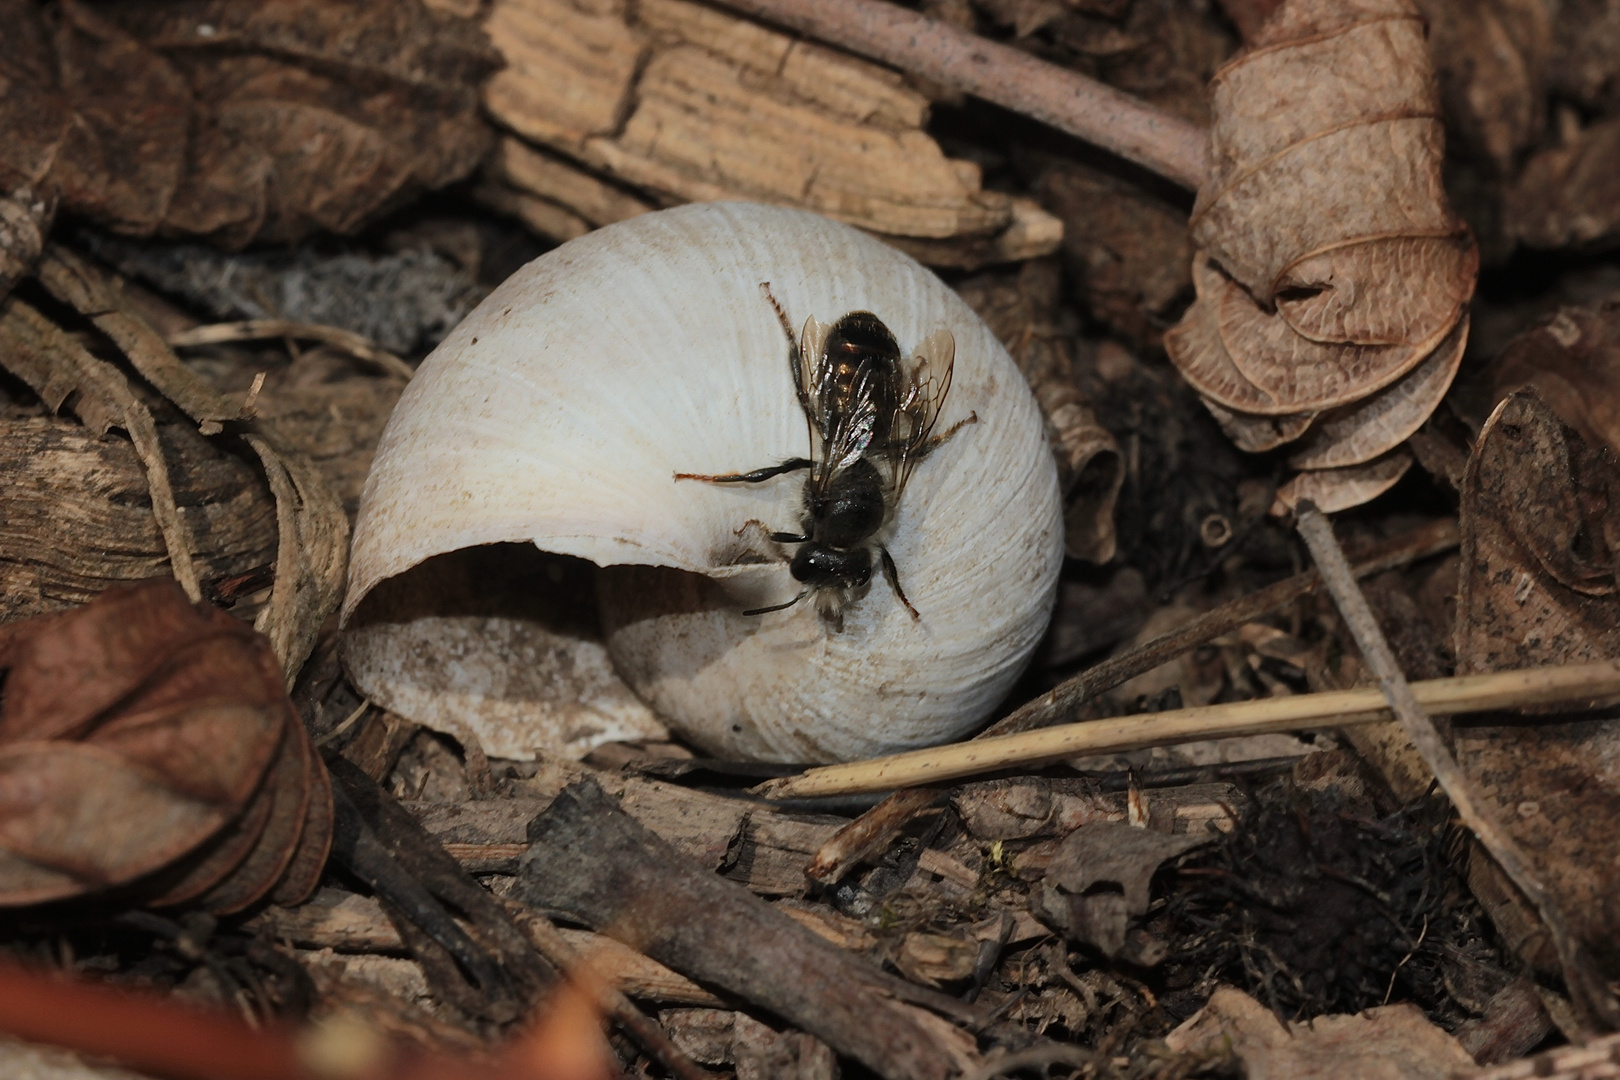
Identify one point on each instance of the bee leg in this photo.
(894, 576)
(939, 440)
(755, 477)
(789, 538)
(778, 607)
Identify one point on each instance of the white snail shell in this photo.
(560, 409)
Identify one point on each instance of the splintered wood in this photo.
(619, 110)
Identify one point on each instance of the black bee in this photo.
(871, 418)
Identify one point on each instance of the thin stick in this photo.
(1093, 111)
(1062, 702)
(1583, 983)
(1574, 685)
(262, 329)
(550, 943)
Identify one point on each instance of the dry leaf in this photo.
(1492, 58)
(1332, 276)
(1392, 1042)
(238, 121)
(1097, 882)
(1539, 585)
(1356, 433)
(1573, 362)
(1569, 195)
(1333, 490)
(136, 733)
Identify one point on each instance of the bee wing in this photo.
(810, 377)
(852, 433)
(932, 367)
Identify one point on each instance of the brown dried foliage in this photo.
(1573, 362)
(1332, 276)
(237, 121)
(147, 745)
(1540, 584)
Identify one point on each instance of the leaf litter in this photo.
(1282, 908)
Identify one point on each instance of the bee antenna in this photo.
(781, 316)
(778, 607)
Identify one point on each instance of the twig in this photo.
(1584, 984)
(260, 329)
(550, 943)
(592, 862)
(867, 835)
(1090, 110)
(1062, 702)
(1573, 685)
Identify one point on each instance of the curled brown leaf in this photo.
(1332, 276)
(147, 743)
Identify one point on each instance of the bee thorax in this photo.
(826, 567)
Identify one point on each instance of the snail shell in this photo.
(559, 410)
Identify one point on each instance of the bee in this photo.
(871, 419)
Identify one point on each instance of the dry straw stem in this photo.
(1586, 987)
(1575, 685)
(261, 329)
(1064, 701)
(1085, 108)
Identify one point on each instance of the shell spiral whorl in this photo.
(558, 412)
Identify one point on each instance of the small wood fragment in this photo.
(868, 835)
(1009, 77)
(592, 861)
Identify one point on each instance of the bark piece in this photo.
(55, 366)
(78, 517)
(688, 103)
(313, 531)
(593, 862)
(1392, 1042)
(763, 849)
